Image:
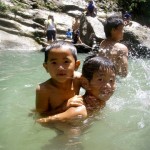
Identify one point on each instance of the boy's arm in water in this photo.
(76, 110)
(123, 60)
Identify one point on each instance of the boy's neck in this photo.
(63, 85)
(89, 97)
(111, 40)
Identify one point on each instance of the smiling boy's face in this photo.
(103, 84)
(61, 64)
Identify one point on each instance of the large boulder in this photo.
(137, 39)
(15, 42)
(90, 26)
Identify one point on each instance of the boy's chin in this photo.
(104, 97)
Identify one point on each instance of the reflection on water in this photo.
(124, 124)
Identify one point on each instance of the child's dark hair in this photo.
(59, 44)
(94, 63)
(112, 22)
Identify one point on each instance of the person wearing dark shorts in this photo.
(50, 29)
(51, 35)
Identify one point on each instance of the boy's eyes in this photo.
(54, 62)
(100, 79)
(112, 80)
(67, 61)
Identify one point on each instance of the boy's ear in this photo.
(45, 66)
(85, 83)
(77, 64)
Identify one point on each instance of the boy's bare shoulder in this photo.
(43, 87)
(121, 47)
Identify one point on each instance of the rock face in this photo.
(14, 42)
(137, 39)
(26, 24)
(91, 26)
(22, 27)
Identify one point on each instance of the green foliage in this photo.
(19, 3)
(15, 9)
(3, 7)
(132, 5)
(53, 6)
(138, 8)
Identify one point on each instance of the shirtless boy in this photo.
(61, 63)
(98, 79)
(111, 48)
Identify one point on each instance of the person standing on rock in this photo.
(50, 29)
(69, 34)
(75, 29)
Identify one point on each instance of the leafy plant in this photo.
(15, 9)
(53, 6)
(3, 7)
(133, 5)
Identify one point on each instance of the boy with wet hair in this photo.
(98, 79)
(60, 62)
(111, 48)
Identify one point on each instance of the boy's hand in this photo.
(75, 101)
(43, 120)
(47, 119)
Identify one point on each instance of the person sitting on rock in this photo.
(127, 18)
(69, 34)
(91, 9)
(77, 38)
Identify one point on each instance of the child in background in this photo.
(98, 79)
(112, 48)
(69, 34)
(127, 18)
(61, 63)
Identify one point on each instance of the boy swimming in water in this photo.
(111, 48)
(98, 79)
(61, 63)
